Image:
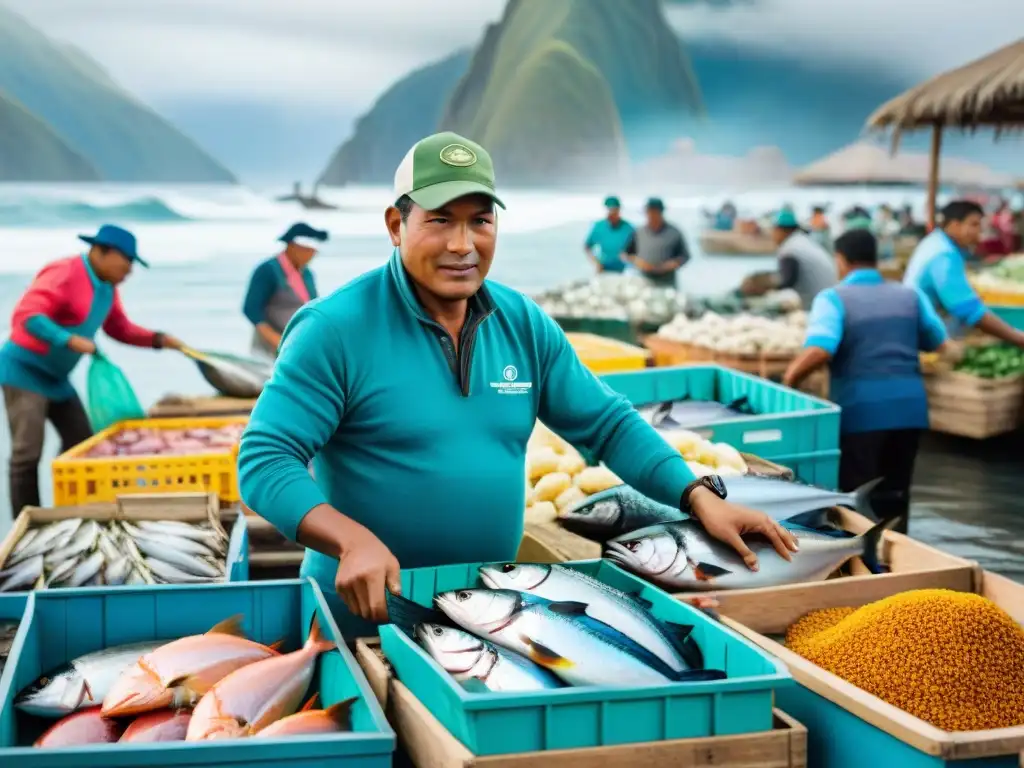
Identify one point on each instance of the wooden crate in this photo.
(913, 566)
(176, 406)
(961, 404)
(850, 728)
(430, 745)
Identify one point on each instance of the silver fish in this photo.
(84, 540)
(135, 577)
(116, 572)
(82, 683)
(468, 659)
(62, 572)
(629, 614)
(24, 541)
(86, 569)
(561, 637)
(52, 536)
(205, 534)
(168, 573)
(25, 575)
(682, 556)
(176, 542)
(622, 509)
(107, 544)
(183, 560)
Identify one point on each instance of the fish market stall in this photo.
(1002, 284)
(187, 675)
(944, 690)
(982, 396)
(152, 455)
(200, 406)
(429, 743)
(634, 667)
(751, 414)
(174, 538)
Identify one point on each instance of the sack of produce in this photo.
(109, 395)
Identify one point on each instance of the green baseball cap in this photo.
(442, 168)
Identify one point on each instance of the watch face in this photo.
(716, 484)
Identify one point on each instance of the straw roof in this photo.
(986, 92)
(865, 163)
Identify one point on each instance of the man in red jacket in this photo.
(53, 325)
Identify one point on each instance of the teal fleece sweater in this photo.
(423, 444)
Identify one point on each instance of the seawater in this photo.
(203, 241)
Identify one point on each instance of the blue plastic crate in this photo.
(237, 559)
(12, 606)
(785, 422)
(820, 469)
(63, 624)
(1012, 316)
(572, 718)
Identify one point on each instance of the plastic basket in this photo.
(59, 626)
(571, 718)
(785, 422)
(80, 480)
(603, 355)
(109, 395)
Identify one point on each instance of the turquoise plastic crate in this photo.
(12, 606)
(572, 718)
(786, 422)
(237, 559)
(1013, 316)
(837, 738)
(820, 469)
(63, 624)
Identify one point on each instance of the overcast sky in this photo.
(344, 52)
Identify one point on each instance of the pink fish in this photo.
(334, 719)
(251, 698)
(179, 673)
(163, 725)
(87, 726)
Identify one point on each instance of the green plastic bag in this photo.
(109, 396)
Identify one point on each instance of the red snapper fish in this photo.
(162, 725)
(335, 719)
(251, 698)
(87, 726)
(179, 673)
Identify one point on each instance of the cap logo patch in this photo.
(458, 155)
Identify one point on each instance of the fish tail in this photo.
(316, 639)
(341, 713)
(699, 675)
(311, 703)
(862, 498)
(872, 545)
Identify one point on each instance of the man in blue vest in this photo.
(937, 270)
(870, 332)
(415, 387)
(609, 237)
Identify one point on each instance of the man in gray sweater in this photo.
(657, 250)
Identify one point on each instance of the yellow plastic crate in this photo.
(999, 298)
(80, 480)
(602, 355)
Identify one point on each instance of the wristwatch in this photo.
(713, 483)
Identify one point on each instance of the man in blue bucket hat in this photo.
(53, 325)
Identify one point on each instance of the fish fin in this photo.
(230, 626)
(678, 631)
(872, 545)
(815, 519)
(406, 614)
(709, 571)
(741, 404)
(341, 713)
(193, 684)
(316, 638)
(691, 653)
(276, 646)
(544, 656)
(699, 675)
(862, 498)
(112, 709)
(311, 703)
(86, 692)
(569, 608)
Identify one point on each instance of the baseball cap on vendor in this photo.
(442, 168)
(302, 234)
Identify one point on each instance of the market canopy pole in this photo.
(988, 92)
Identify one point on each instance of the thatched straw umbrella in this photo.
(988, 92)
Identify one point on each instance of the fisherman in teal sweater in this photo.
(414, 389)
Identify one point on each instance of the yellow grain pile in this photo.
(953, 659)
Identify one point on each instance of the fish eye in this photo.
(437, 631)
(508, 567)
(632, 546)
(43, 682)
(462, 595)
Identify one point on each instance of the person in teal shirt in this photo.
(609, 237)
(414, 389)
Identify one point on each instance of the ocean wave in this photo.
(39, 212)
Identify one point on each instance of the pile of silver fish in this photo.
(538, 626)
(217, 685)
(665, 546)
(80, 553)
(687, 412)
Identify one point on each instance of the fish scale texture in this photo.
(953, 659)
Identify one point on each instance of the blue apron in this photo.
(48, 374)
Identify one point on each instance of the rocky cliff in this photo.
(31, 151)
